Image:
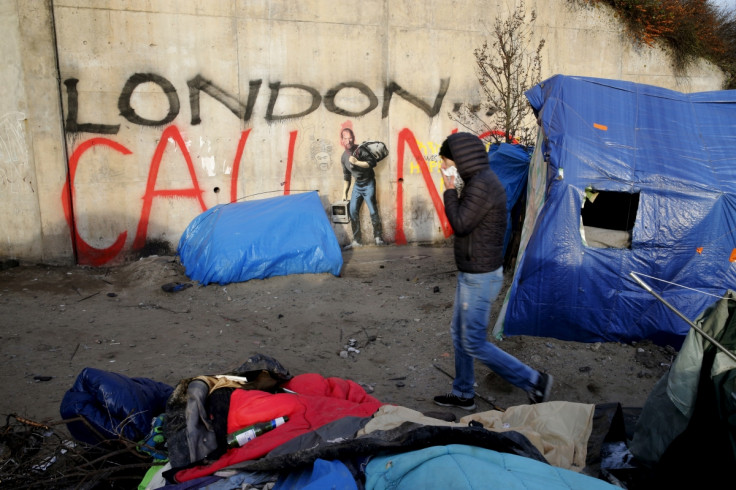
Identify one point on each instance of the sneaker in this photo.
(379, 242)
(452, 400)
(540, 393)
(352, 245)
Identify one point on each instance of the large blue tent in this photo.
(625, 178)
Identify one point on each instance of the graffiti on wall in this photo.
(407, 139)
(430, 154)
(13, 154)
(243, 111)
(89, 255)
(418, 159)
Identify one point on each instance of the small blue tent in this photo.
(624, 178)
(258, 239)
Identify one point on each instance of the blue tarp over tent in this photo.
(258, 239)
(676, 154)
(511, 164)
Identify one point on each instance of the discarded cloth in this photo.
(558, 429)
(338, 440)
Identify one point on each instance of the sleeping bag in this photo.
(113, 404)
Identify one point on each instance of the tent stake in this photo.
(697, 328)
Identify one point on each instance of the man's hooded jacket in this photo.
(478, 215)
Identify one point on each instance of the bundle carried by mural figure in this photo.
(374, 150)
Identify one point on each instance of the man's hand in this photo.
(449, 180)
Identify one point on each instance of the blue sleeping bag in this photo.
(114, 405)
(464, 467)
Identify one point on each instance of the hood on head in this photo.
(469, 153)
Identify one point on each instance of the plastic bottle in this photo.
(246, 434)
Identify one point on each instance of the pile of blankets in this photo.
(336, 436)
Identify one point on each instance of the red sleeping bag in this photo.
(317, 401)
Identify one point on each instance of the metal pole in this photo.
(697, 328)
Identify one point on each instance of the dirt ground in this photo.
(395, 302)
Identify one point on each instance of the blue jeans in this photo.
(360, 193)
(473, 299)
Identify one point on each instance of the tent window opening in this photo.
(608, 217)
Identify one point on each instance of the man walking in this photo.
(478, 217)
(364, 189)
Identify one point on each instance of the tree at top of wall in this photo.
(690, 29)
(506, 66)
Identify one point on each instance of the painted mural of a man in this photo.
(322, 154)
(363, 179)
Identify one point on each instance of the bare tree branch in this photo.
(506, 67)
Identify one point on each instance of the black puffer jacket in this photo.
(478, 217)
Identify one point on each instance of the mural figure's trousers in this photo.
(364, 192)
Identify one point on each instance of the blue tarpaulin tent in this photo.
(625, 178)
(258, 239)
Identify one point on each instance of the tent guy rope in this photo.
(697, 328)
(676, 284)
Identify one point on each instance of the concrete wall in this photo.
(32, 157)
(160, 109)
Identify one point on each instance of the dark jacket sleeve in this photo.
(467, 213)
